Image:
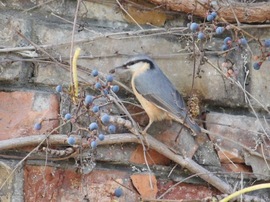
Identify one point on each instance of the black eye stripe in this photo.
(131, 63)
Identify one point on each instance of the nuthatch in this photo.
(156, 93)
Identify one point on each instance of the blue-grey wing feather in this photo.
(160, 91)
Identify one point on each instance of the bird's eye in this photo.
(131, 63)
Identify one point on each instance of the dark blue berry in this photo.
(101, 137)
(95, 109)
(58, 89)
(93, 126)
(71, 140)
(68, 116)
(37, 126)
(105, 119)
(112, 129)
(118, 192)
(200, 35)
(214, 14)
(210, 18)
(88, 99)
(94, 144)
(219, 30)
(115, 88)
(94, 73)
(194, 26)
(98, 85)
(109, 78)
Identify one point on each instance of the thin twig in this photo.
(234, 14)
(233, 81)
(34, 7)
(121, 6)
(216, 145)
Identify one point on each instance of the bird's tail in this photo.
(190, 124)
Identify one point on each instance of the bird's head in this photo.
(138, 63)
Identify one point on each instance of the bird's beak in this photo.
(122, 67)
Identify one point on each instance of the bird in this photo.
(155, 92)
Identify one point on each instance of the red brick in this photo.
(185, 191)
(55, 184)
(21, 110)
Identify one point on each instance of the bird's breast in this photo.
(154, 112)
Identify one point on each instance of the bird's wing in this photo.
(157, 88)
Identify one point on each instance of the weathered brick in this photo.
(259, 85)
(6, 191)
(56, 184)
(21, 110)
(185, 191)
(10, 71)
(10, 25)
(237, 168)
(233, 133)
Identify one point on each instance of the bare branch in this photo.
(125, 138)
(248, 13)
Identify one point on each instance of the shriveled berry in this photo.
(71, 140)
(242, 41)
(94, 73)
(95, 109)
(59, 88)
(93, 126)
(101, 137)
(37, 126)
(227, 40)
(109, 78)
(118, 192)
(68, 116)
(94, 144)
(115, 88)
(98, 85)
(219, 30)
(194, 26)
(88, 99)
(201, 35)
(105, 92)
(105, 119)
(257, 65)
(267, 43)
(224, 47)
(111, 129)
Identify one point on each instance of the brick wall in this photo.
(34, 58)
